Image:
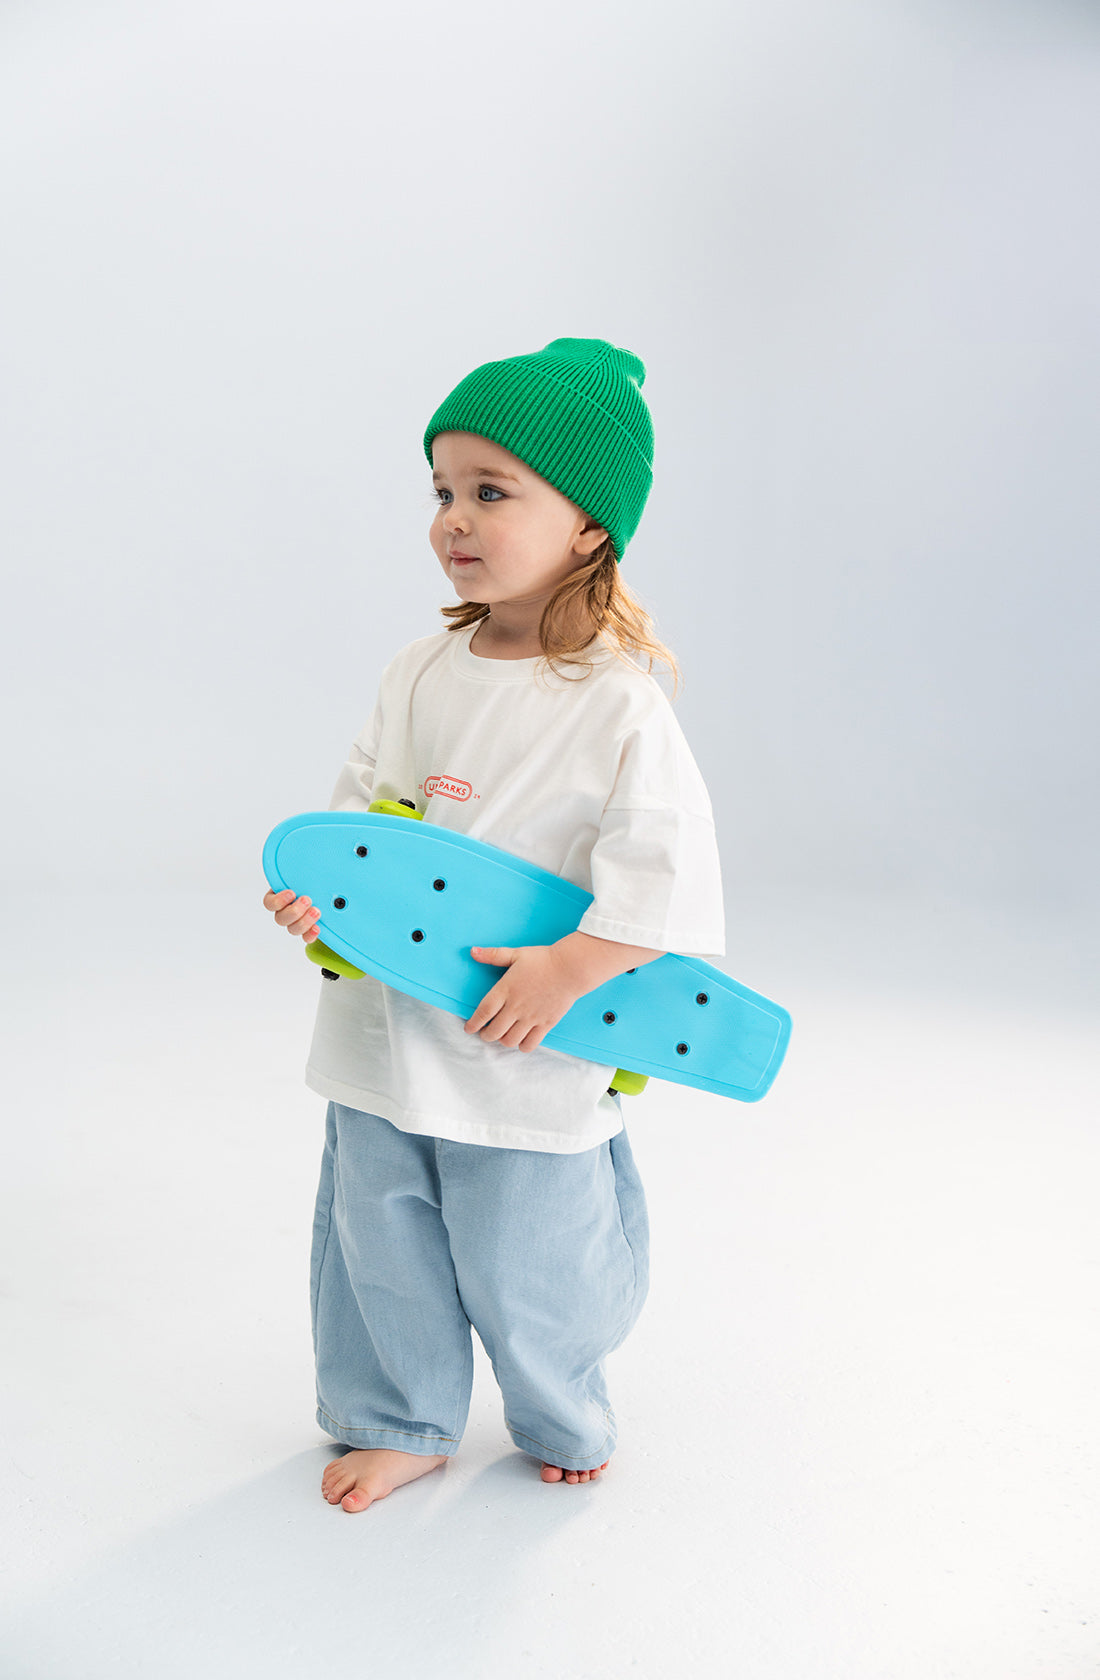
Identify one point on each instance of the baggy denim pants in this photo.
(415, 1239)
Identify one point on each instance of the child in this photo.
(464, 1183)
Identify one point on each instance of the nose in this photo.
(453, 519)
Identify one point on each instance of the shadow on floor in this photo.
(270, 1580)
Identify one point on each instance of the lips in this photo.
(456, 555)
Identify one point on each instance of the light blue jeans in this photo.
(415, 1239)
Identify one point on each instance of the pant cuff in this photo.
(397, 1440)
(564, 1461)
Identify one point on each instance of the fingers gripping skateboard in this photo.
(333, 967)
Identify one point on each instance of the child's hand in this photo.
(297, 915)
(528, 1000)
(543, 983)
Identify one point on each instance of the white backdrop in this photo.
(248, 249)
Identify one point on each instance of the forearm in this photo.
(588, 961)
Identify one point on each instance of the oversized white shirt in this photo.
(591, 777)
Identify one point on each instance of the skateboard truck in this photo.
(333, 967)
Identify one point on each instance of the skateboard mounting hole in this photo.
(701, 997)
(439, 885)
(362, 851)
(418, 934)
(610, 1016)
(682, 1049)
(339, 904)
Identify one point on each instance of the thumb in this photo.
(500, 956)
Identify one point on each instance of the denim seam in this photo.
(439, 1144)
(630, 1246)
(377, 1429)
(316, 1303)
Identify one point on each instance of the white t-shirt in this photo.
(591, 778)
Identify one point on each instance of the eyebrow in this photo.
(481, 472)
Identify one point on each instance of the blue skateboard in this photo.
(405, 901)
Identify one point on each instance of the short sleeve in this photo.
(355, 781)
(656, 873)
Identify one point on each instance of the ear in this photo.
(590, 538)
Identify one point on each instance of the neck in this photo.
(507, 638)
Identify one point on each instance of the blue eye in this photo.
(440, 494)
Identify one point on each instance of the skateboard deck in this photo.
(405, 901)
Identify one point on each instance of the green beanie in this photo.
(574, 412)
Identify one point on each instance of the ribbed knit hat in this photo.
(575, 413)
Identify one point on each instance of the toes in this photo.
(335, 1483)
(553, 1473)
(356, 1500)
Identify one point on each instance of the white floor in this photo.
(858, 1417)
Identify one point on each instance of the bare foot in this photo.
(368, 1473)
(554, 1473)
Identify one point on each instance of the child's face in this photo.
(522, 535)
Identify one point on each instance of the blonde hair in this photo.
(592, 601)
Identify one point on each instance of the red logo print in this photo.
(448, 788)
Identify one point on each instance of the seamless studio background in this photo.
(248, 248)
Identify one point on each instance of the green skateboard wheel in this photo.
(318, 952)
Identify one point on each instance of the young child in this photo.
(470, 1176)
